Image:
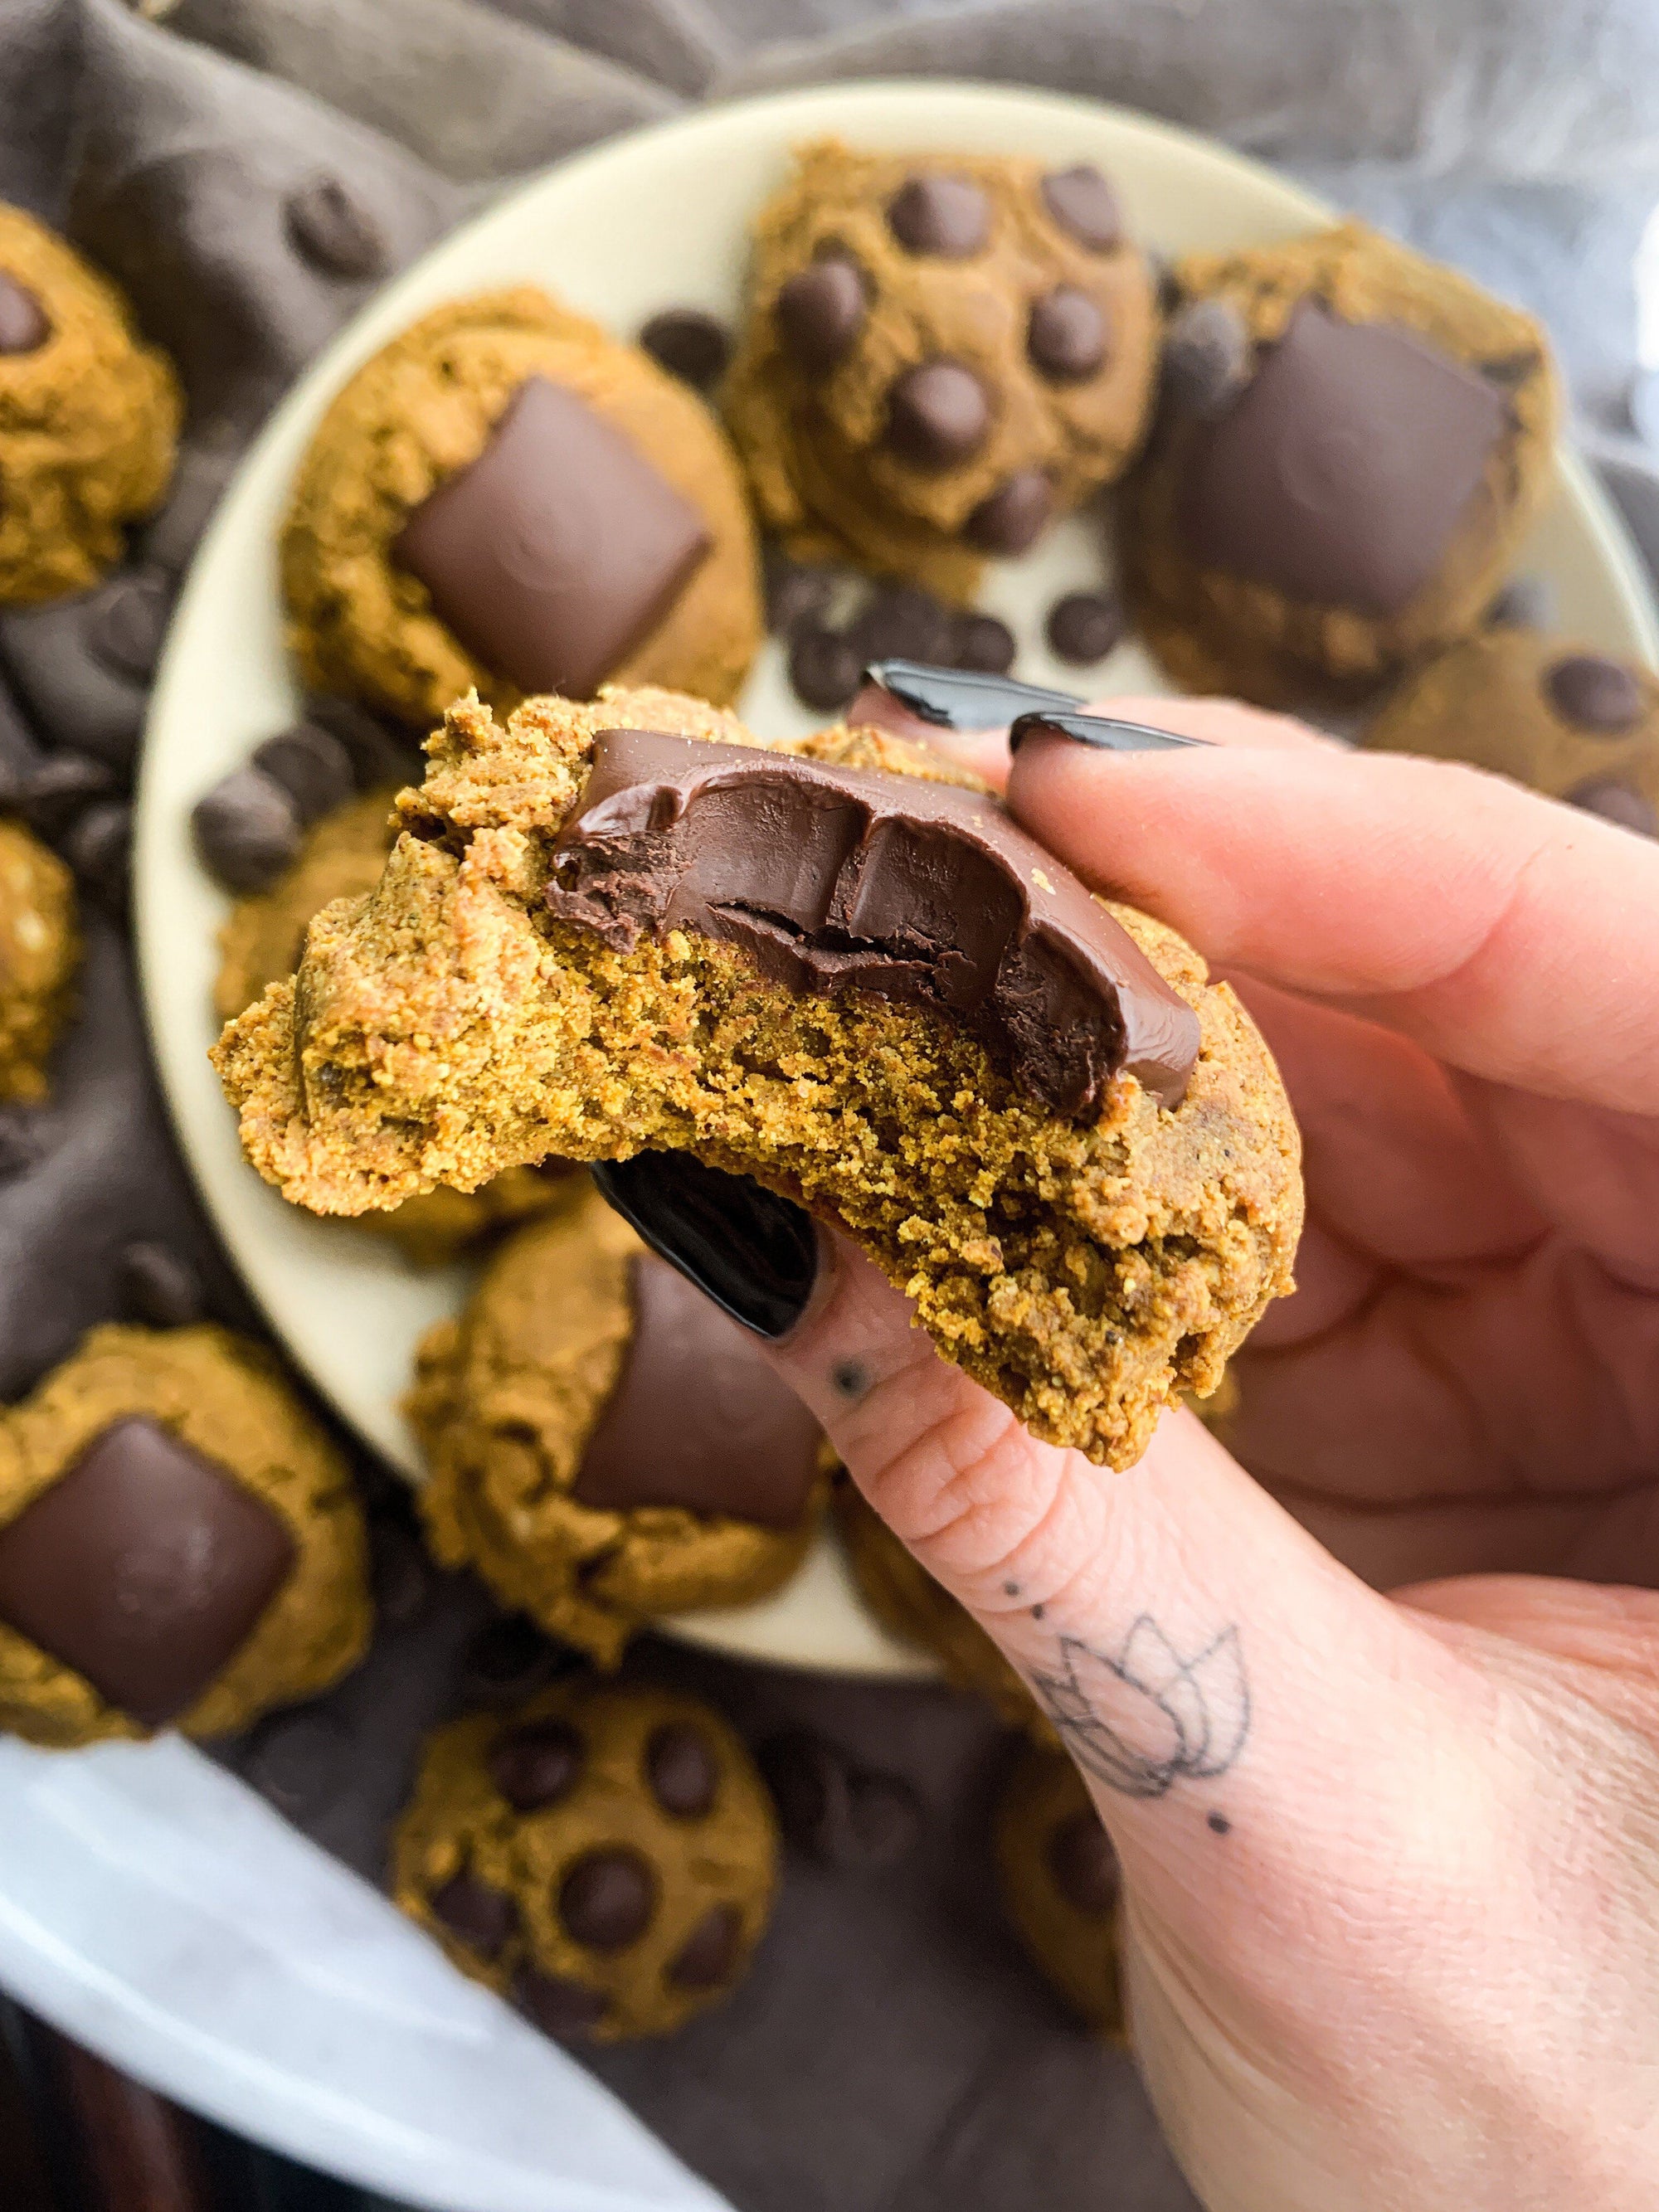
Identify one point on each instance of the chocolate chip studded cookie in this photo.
(1579, 726)
(1059, 1884)
(40, 953)
(88, 417)
(605, 1445)
(507, 499)
(606, 1859)
(941, 353)
(180, 1543)
(1353, 441)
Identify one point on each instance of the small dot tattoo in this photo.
(1036, 1611)
(1221, 1824)
(852, 1379)
(1010, 1589)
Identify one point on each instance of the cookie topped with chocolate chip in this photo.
(941, 354)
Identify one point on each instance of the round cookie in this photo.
(605, 1445)
(40, 953)
(1577, 724)
(1351, 443)
(88, 417)
(180, 1545)
(606, 1858)
(1059, 1876)
(507, 499)
(941, 352)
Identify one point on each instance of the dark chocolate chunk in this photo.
(401, 1574)
(1065, 336)
(560, 2008)
(1594, 693)
(144, 1568)
(535, 1766)
(825, 668)
(558, 550)
(682, 1771)
(834, 878)
(509, 1660)
(795, 592)
(1340, 476)
(820, 312)
(312, 766)
(20, 1142)
(486, 1919)
(1617, 802)
(130, 622)
(327, 228)
(1524, 603)
(1084, 1865)
(607, 1898)
(98, 845)
(698, 1419)
(51, 795)
(937, 415)
(23, 324)
(1084, 206)
(156, 1285)
(981, 642)
(1206, 358)
(690, 344)
(300, 1762)
(709, 1953)
(1082, 626)
(901, 622)
(247, 830)
(938, 214)
(1014, 517)
(378, 754)
(832, 1809)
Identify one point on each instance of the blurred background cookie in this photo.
(39, 953)
(1060, 1883)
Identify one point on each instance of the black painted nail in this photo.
(963, 698)
(1103, 732)
(755, 1254)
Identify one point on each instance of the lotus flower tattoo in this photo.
(1141, 1719)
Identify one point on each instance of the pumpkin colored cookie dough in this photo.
(1060, 1886)
(40, 953)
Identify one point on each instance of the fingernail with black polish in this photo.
(756, 1254)
(963, 698)
(1103, 732)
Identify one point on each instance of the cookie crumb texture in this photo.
(447, 1027)
(39, 953)
(1059, 1884)
(606, 1859)
(175, 1524)
(940, 353)
(88, 417)
(1350, 490)
(423, 410)
(508, 1402)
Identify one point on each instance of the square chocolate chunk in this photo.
(558, 550)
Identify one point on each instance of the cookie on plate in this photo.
(88, 417)
(834, 965)
(606, 1858)
(180, 1545)
(1577, 724)
(940, 353)
(507, 499)
(1351, 443)
(605, 1445)
(1059, 1876)
(40, 953)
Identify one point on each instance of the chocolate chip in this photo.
(1524, 603)
(485, 1919)
(1617, 802)
(535, 1766)
(1084, 206)
(20, 1143)
(127, 629)
(98, 845)
(1594, 693)
(820, 312)
(824, 669)
(835, 1812)
(326, 228)
(982, 643)
(509, 1660)
(937, 415)
(247, 830)
(606, 1899)
(50, 796)
(312, 766)
(690, 344)
(1014, 517)
(1084, 1865)
(157, 1285)
(379, 753)
(23, 324)
(794, 591)
(1065, 336)
(1206, 358)
(947, 216)
(709, 1953)
(682, 1769)
(559, 2007)
(1083, 627)
(401, 1575)
(300, 1762)
(901, 622)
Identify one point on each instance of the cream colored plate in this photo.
(656, 219)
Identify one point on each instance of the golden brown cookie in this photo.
(1085, 1243)
(1059, 1884)
(180, 1546)
(940, 353)
(1351, 443)
(606, 1858)
(40, 953)
(1577, 724)
(507, 499)
(606, 1446)
(88, 416)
